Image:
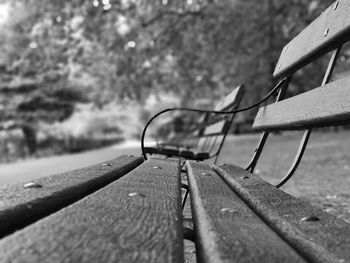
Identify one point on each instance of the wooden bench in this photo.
(204, 140)
(129, 210)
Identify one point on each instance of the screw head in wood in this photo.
(228, 210)
(106, 164)
(310, 219)
(136, 194)
(335, 5)
(32, 185)
(326, 32)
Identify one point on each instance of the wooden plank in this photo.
(226, 229)
(232, 100)
(216, 129)
(317, 235)
(324, 106)
(325, 33)
(21, 206)
(135, 219)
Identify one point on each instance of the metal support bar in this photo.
(307, 133)
(257, 152)
(263, 138)
(184, 186)
(185, 198)
(297, 159)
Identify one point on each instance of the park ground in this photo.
(323, 177)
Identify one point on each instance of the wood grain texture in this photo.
(226, 229)
(325, 240)
(232, 100)
(20, 206)
(324, 106)
(325, 33)
(135, 219)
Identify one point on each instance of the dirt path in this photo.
(31, 169)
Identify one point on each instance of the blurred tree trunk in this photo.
(29, 133)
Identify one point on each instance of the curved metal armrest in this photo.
(276, 88)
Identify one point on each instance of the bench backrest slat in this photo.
(324, 106)
(231, 99)
(328, 31)
(216, 129)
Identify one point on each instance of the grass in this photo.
(322, 177)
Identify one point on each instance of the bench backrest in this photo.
(327, 32)
(326, 105)
(214, 134)
(231, 100)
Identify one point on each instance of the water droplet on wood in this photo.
(32, 185)
(336, 6)
(326, 32)
(228, 210)
(136, 194)
(157, 167)
(310, 219)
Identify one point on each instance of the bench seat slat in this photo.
(324, 34)
(324, 106)
(135, 219)
(20, 206)
(226, 229)
(322, 239)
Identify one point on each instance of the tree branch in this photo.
(179, 13)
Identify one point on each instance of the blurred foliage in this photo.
(57, 54)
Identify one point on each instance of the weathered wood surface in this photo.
(325, 33)
(324, 106)
(318, 236)
(232, 100)
(217, 128)
(135, 219)
(21, 206)
(226, 229)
